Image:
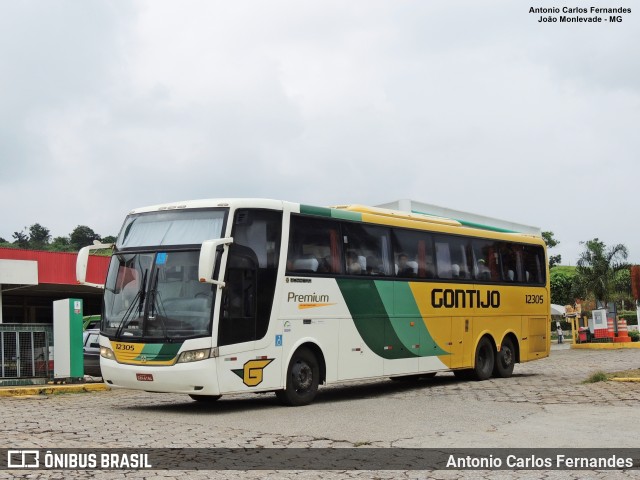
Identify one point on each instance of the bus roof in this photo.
(355, 212)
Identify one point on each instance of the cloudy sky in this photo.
(472, 105)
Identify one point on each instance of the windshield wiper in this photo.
(152, 312)
(140, 295)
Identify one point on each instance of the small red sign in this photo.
(144, 377)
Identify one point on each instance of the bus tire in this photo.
(205, 398)
(484, 360)
(303, 376)
(505, 360)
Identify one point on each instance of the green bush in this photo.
(630, 316)
(635, 336)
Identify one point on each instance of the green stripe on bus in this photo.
(405, 305)
(159, 351)
(471, 224)
(331, 212)
(346, 215)
(311, 210)
(371, 318)
(407, 335)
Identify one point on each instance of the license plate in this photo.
(144, 377)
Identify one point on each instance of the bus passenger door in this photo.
(247, 359)
(236, 333)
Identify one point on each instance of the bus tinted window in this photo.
(533, 264)
(510, 266)
(485, 260)
(452, 258)
(251, 275)
(314, 246)
(366, 249)
(413, 254)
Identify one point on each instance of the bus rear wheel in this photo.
(484, 360)
(303, 375)
(205, 398)
(505, 360)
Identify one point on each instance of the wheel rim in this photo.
(302, 377)
(483, 358)
(507, 356)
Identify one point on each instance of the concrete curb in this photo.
(604, 346)
(52, 389)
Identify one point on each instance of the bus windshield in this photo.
(156, 296)
(179, 227)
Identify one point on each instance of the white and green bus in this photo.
(216, 297)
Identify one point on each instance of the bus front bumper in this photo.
(196, 378)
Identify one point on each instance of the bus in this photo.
(216, 297)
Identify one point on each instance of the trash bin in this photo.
(582, 335)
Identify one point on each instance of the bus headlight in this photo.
(107, 353)
(194, 355)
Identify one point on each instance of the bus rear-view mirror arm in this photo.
(208, 257)
(82, 262)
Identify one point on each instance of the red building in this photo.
(30, 280)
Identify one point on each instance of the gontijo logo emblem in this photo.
(312, 300)
(252, 371)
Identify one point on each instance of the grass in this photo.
(597, 377)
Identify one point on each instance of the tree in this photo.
(2, 240)
(82, 236)
(61, 244)
(622, 293)
(39, 236)
(562, 286)
(21, 239)
(551, 242)
(109, 239)
(598, 266)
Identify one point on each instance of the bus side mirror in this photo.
(208, 258)
(82, 262)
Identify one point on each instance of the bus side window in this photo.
(485, 255)
(509, 263)
(443, 259)
(532, 261)
(417, 247)
(367, 249)
(314, 246)
(251, 276)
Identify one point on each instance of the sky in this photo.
(106, 106)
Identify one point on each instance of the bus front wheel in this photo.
(303, 375)
(484, 360)
(505, 360)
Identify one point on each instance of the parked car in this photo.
(90, 322)
(91, 350)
